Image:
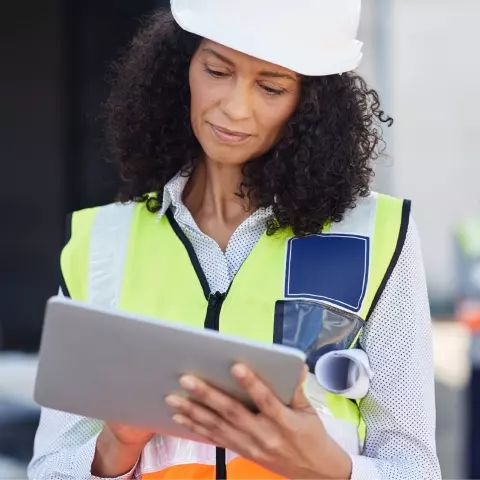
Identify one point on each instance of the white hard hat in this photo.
(310, 37)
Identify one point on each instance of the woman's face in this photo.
(239, 104)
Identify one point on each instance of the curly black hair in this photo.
(312, 176)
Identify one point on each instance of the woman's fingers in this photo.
(196, 413)
(207, 424)
(263, 397)
(226, 407)
(300, 400)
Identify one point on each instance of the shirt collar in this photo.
(172, 194)
(172, 197)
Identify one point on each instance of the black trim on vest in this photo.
(212, 318)
(221, 464)
(278, 323)
(215, 302)
(68, 236)
(398, 250)
(212, 322)
(191, 253)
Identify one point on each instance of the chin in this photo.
(226, 156)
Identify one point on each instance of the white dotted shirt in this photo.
(399, 409)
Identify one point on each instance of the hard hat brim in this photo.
(313, 53)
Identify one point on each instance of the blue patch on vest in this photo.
(328, 267)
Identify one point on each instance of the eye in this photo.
(216, 73)
(273, 91)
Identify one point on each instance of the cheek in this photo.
(196, 97)
(203, 95)
(273, 119)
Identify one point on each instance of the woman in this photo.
(239, 144)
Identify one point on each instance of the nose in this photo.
(238, 104)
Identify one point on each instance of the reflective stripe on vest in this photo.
(121, 256)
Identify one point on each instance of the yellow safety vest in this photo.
(122, 256)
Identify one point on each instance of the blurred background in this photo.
(55, 53)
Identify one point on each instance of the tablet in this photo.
(119, 367)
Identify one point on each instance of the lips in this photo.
(229, 136)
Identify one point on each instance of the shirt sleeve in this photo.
(399, 410)
(65, 447)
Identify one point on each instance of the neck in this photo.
(212, 190)
(211, 197)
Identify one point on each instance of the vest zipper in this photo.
(215, 302)
(212, 322)
(212, 319)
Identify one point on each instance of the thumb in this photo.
(300, 400)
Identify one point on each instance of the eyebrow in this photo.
(263, 73)
(277, 75)
(219, 56)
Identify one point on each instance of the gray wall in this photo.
(436, 68)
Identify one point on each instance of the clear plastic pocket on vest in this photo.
(315, 328)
